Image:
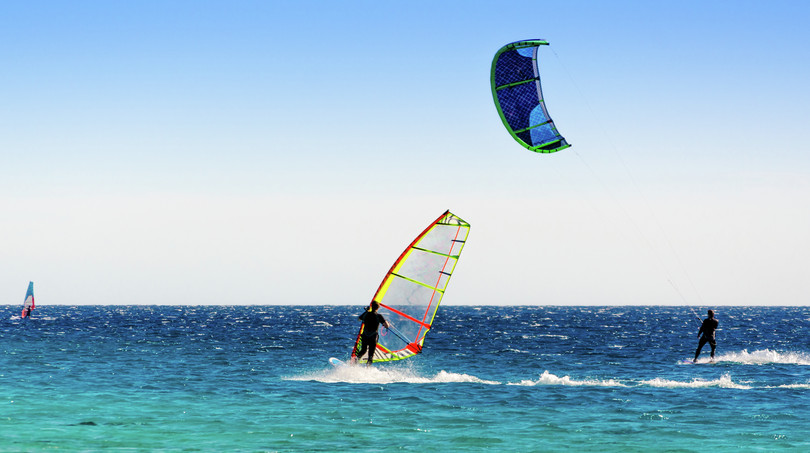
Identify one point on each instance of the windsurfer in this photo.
(28, 305)
(371, 322)
(707, 329)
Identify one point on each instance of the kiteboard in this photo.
(337, 363)
(689, 362)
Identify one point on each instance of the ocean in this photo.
(518, 378)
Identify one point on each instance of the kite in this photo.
(515, 80)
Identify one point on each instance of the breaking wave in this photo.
(723, 381)
(550, 379)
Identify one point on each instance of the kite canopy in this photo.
(412, 290)
(515, 80)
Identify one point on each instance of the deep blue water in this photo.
(143, 378)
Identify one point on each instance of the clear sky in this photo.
(258, 152)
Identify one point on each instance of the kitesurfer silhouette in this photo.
(707, 329)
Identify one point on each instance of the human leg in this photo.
(701, 343)
(363, 348)
(372, 346)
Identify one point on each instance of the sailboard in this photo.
(337, 363)
(411, 291)
(29, 304)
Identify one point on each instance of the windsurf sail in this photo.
(29, 304)
(412, 290)
(515, 80)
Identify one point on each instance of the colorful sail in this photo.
(412, 290)
(515, 81)
(28, 305)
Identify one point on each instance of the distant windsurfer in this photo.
(29, 304)
(707, 330)
(371, 322)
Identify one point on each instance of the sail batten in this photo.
(435, 253)
(405, 316)
(414, 286)
(421, 283)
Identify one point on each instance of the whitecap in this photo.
(550, 379)
(794, 386)
(723, 381)
(362, 374)
(765, 356)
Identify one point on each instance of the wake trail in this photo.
(760, 357)
(362, 374)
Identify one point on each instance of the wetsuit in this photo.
(371, 322)
(707, 328)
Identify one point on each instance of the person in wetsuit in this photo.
(371, 322)
(707, 329)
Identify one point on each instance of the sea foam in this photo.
(723, 381)
(765, 356)
(550, 379)
(361, 374)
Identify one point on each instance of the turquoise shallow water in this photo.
(144, 378)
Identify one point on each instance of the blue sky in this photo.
(197, 152)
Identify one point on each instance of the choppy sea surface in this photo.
(257, 378)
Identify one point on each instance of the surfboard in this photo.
(337, 363)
